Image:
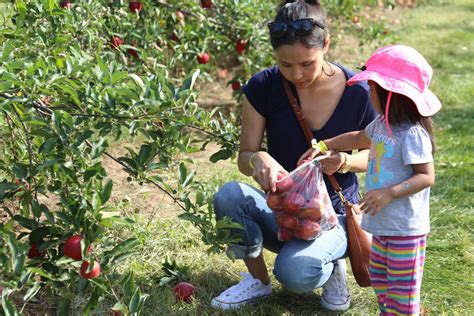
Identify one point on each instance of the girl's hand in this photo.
(375, 200)
(265, 171)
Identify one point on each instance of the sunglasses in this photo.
(301, 27)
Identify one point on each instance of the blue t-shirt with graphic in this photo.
(285, 138)
(390, 162)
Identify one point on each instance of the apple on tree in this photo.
(34, 252)
(180, 15)
(184, 291)
(72, 247)
(240, 46)
(235, 85)
(206, 4)
(94, 272)
(203, 58)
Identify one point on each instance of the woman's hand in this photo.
(375, 200)
(265, 170)
(310, 154)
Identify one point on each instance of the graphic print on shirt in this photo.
(382, 147)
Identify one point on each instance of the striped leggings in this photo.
(396, 269)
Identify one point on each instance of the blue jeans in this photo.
(301, 266)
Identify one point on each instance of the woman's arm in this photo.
(423, 177)
(263, 168)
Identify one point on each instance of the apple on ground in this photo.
(184, 291)
(72, 247)
(135, 6)
(180, 15)
(206, 4)
(94, 273)
(240, 46)
(65, 4)
(133, 52)
(203, 58)
(116, 42)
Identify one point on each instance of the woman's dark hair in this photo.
(403, 109)
(290, 11)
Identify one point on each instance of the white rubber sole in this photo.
(336, 307)
(236, 305)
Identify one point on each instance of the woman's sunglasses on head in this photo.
(301, 27)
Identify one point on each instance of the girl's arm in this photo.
(423, 177)
(345, 142)
(251, 161)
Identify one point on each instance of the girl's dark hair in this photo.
(290, 11)
(403, 109)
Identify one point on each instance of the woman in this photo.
(300, 40)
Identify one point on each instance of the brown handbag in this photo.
(358, 240)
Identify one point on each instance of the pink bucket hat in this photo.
(401, 69)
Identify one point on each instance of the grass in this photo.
(444, 34)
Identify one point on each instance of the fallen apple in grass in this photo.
(72, 247)
(94, 273)
(116, 42)
(65, 4)
(184, 291)
(135, 6)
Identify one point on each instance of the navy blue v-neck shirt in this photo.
(285, 137)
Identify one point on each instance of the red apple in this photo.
(311, 212)
(95, 272)
(65, 4)
(240, 46)
(133, 52)
(135, 6)
(275, 202)
(206, 4)
(174, 37)
(235, 85)
(180, 15)
(308, 229)
(293, 202)
(284, 234)
(184, 291)
(203, 58)
(72, 247)
(34, 253)
(284, 182)
(287, 221)
(116, 41)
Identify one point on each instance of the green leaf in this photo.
(106, 192)
(222, 154)
(26, 222)
(129, 285)
(183, 173)
(135, 301)
(32, 292)
(138, 81)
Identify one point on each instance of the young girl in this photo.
(400, 172)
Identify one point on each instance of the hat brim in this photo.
(426, 102)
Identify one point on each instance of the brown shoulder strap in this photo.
(307, 131)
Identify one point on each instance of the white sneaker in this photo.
(335, 293)
(247, 291)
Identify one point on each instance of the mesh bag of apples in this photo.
(301, 203)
